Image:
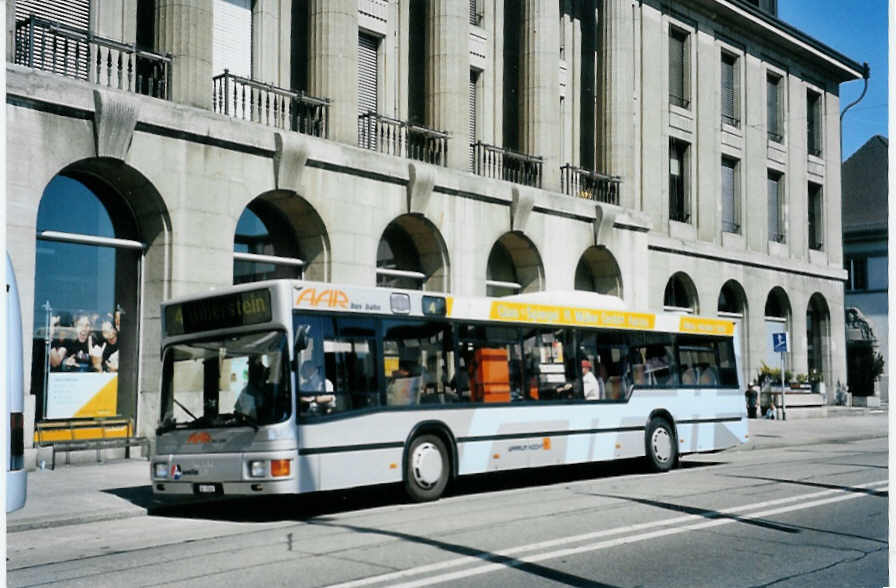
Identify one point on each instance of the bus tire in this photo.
(427, 466)
(662, 448)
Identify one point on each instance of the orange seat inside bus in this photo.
(491, 376)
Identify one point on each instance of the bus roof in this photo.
(218, 309)
(558, 308)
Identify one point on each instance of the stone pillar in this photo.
(540, 87)
(615, 93)
(184, 29)
(448, 77)
(266, 43)
(333, 71)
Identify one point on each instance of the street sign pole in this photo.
(783, 401)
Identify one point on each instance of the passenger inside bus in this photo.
(404, 384)
(592, 387)
(251, 400)
(313, 382)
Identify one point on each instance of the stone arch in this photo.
(514, 266)
(412, 254)
(115, 221)
(597, 271)
(292, 230)
(680, 294)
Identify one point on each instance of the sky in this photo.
(858, 30)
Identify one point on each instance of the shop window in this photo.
(85, 302)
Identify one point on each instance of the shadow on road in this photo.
(304, 507)
(868, 491)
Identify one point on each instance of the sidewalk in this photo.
(120, 489)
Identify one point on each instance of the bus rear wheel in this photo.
(426, 468)
(662, 449)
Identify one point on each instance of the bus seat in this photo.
(491, 380)
(709, 377)
(689, 377)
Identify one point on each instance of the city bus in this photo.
(16, 476)
(288, 386)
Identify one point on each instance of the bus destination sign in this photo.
(221, 312)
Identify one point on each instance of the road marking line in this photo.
(471, 559)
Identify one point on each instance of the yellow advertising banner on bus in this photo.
(705, 326)
(562, 315)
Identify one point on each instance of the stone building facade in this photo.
(682, 155)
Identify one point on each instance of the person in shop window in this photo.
(77, 350)
(104, 357)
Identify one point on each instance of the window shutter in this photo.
(472, 98)
(772, 107)
(774, 209)
(75, 13)
(729, 220)
(677, 69)
(232, 37)
(729, 103)
(367, 73)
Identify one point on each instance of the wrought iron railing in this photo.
(247, 99)
(583, 183)
(494, 162)
(775, 137)
(402, 139)
(77, 53)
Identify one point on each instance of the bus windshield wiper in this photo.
(185, 409)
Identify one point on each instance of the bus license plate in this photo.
(208, 489)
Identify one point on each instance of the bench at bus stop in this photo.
(67, 435)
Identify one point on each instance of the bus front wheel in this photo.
(662, 449)
(426, 468)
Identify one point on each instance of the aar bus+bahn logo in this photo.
(330, 297)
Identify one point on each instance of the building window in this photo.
(775, 207)
(730, 89)
(368, 74)
(866, 273)
(475, 13)
(397, 261)
(86, 290)
(680, 295)
(773, 109)
(813, 123)
(263, 247)
(816, 219)
(730, 196)
(679, 68)
(679, 202)
(475, 76)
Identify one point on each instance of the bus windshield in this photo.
(231, 381)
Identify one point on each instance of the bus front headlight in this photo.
(160, 470)
(257, 469)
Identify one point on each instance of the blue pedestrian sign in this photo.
(780, 344)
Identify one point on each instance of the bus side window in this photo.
(489, 364)
(727, 364)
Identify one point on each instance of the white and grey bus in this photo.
(293, 386)
(16, 476)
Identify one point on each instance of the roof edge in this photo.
(855, 70)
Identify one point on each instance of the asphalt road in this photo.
(814, 515)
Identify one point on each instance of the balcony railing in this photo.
(730, 120)
(494, 162)
(583, 183)
(78, 53)
(254, 101)
(402, 139)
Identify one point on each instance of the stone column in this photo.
(615, 92)
(184, 29)
(448, 77)
(540, 87)
(266, 42)
(333, 70)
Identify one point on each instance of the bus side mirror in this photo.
(301, 340)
